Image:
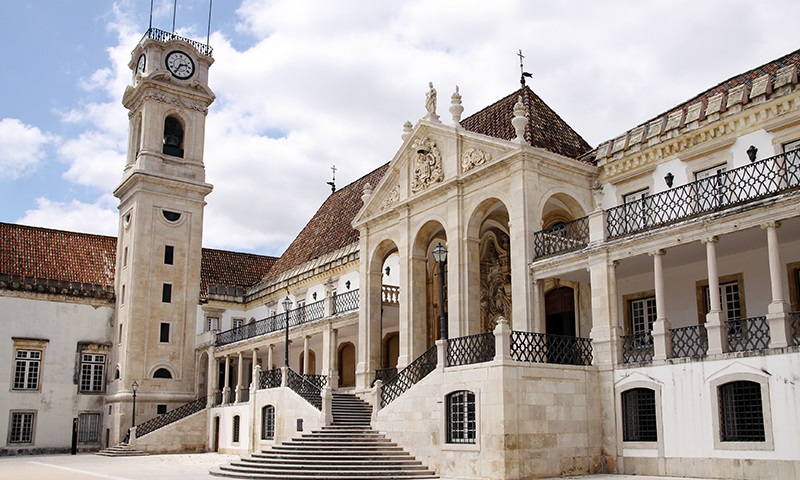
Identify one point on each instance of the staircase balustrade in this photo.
(270, 378)
(409, 376)
(171, 417)
(310, 392)
(535, 347)
(319, 381)
(471, 349)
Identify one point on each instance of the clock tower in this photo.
(162, 195)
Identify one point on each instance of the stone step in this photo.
(332, 460)
(360, 448)
(242, 472)
(327, 467)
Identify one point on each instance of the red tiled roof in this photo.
(330, 228)
(545, 128)
(232, 269)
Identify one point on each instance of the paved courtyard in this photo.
(151, 467)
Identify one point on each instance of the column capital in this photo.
(772, 224)
(712, 239)
(658, 253)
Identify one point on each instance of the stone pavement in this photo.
(152, 467)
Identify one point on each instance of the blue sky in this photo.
(303, 85)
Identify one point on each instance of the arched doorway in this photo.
(312, 363)
(202, 375)
(391, 350)
(347, 365)
(559, 305)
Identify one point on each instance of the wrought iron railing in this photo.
(409, 376)
(565, 237)
(304, 388)
(535, 347)
(796, 327)
(273, 323)
(270, 378)
(319, 381)
(314, 311)
(244, 395)
(384, 374)
(390, 294)
(637, 348)
(345, 302)
(691, 341)
(471, 349)
(726, 189)
(171, 417)
(748, 334)
(163, 36)
(217, 398)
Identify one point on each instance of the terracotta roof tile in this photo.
(331, 227)
(232, 269)
(545, 128)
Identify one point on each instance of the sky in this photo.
(305, 85)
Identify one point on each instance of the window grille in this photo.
(89, 428)
(639, 415)
(236, 429)
(92, 372)
(461, 424)
(26, 369)
(21, 430)
(268, 423)
(741, 417)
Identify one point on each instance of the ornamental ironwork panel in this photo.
(244, 395)
(384, 374)
(565, 237)
(535, 347)
(796, 327)
(162, 36)
(691, 341)
(637, 348)
(260, 327)
(270, 378)
(304, 388)
(170, 417)
(725, 189)
(409, 376)
(345, 302)
(314, 311)
(319, 381)
(748, 334)
(470, 349)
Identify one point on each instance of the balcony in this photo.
(162, 36)
(563, 238)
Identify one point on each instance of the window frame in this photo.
(463, 429)
(268, 422)
(11, 430)
(701, 287)
(164, 327)
(169, 255)
(84, 431)
(639, 411)
(636, 216)
(236, 427)
(27, 362)
(166, 292)
(91, 376)
(766, 410)
(212, 324)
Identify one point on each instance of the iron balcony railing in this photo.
(345, 302)
(471, 349)
(314, 311)
(244, 395)
(534, 347)
(310, 392)
(274, 323)
(748, 334)
(384, 374)
(162, 36)
(270, 378)
(409, 376)
(171, 417)
(726, 189)
(565, 237)
(637, 348)
(691, 341)
(796, 327)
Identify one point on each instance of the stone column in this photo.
(536, 322)
(662, 339)
(715, 324)
(211, 381)
(306, 362)
(329, 343)
(239, 371)
(605, 331)
(780, 323)
(226, 390)
(256, 369)
(270, 358)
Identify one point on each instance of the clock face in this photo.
(180, 65)
(140, 64)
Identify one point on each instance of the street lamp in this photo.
(440, 255)
(287, 304)
(134, 387)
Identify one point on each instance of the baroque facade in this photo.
(625, 308)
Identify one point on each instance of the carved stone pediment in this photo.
(427, 165)
(473, 157)
(391, 198)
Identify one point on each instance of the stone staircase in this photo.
(121, 450)
(347, 449)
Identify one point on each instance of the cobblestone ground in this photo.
(153, 467)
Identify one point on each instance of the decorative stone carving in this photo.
(427, 165)
(737, 96)
(519, 121)
(472, 157)
(175, 101)
(495, 279)
(762, 86)
(392, 198)
(456, 109)
(407, 127)
(784, 79)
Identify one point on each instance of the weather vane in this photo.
(332, 183)
(522, 71)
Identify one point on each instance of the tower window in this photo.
(166, 293)
(169, 254)
(163, 336)
(171, 216)
(173, 137)
(162, 373)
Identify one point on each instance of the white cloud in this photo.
(22, 148)
(99, 217)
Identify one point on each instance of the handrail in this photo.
(171, 417)
(566, 237)
(535, 347)
(470, 349)
(345, 302)
(310, 392)
(270, 378)
(163, 36)
(409, 376)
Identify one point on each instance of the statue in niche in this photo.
(495, 300)
(427, 165)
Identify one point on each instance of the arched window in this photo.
(461, 422)
(236, 421)
(162, 373)
(741, 415)
(639, 422)
(268, 422)
(173, 137)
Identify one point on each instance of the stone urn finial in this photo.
(519, 121)
(456, 109)
(407, 127)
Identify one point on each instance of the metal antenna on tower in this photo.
(150, 27)
(208, 34)
(174, 10)
(522, 72)
(332, 183)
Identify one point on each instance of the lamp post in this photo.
(287, 304)
(134, 387)
(440, 255)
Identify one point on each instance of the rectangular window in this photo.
(643, 314)
(238, 323)
(21, 428)
(169, 254)
(26, 369)
(740, 412)
(236, 420)
(163, 335)
(125, 257)
(461, 418)
(639, 422)
(268, 422)
(161, 409)
(166, 293)
(92, 372)
(119, 335)
(122, 297)
(791, 146)
(89, 428)
(729, 300)
(212, 324)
